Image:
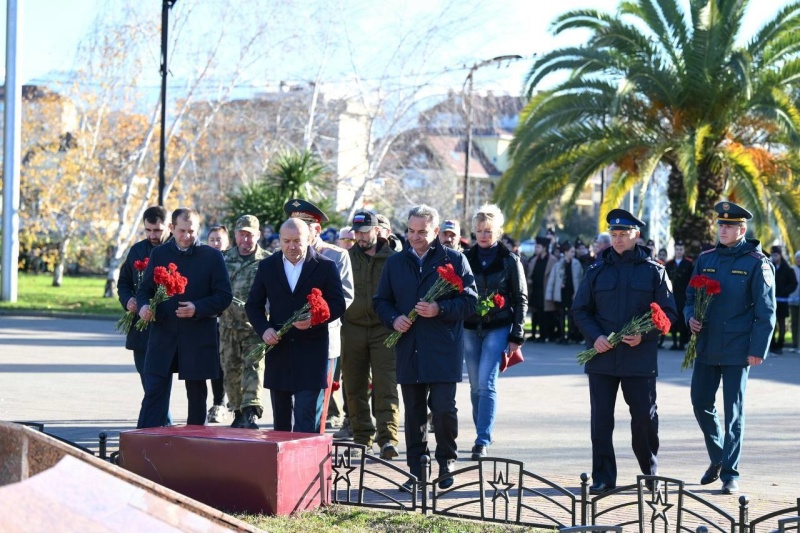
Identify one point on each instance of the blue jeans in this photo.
(482, 355)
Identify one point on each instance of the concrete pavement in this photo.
(75, 376)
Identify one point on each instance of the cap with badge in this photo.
(248, 223)
(452, 226)
(728, 213)
(619, 219)
(305, 210)
(364, 221)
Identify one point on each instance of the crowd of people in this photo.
(390, 324)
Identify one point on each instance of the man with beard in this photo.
(155, 233)
(364, 336)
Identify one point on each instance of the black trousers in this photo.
(640, 395)
(155, 405)
(441, 399)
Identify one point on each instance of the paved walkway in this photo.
(76, 377)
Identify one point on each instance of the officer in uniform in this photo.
(243, 382)
(314, 217)
(734, 336)
(618, 287)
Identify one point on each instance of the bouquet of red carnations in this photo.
(169, 282)
(655, 318)
(124, 324)
(705, 289)
(447, 281)
(493, 300)
(315, 308)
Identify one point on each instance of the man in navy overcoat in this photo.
(296, 367)
(183, 330)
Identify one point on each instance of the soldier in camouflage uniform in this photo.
(243, 383)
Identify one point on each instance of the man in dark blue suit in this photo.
(296, 369)
(183, 331)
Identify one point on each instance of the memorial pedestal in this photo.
(237, 470)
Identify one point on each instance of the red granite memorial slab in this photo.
(236, 470)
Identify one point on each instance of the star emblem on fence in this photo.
(501, 487)
(660, 507)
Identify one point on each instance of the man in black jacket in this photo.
(430, 352)
(620, 286)
(785, 284)
(679, 270)
(155, 233)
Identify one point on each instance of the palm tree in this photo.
(292, 174)
(654, 87)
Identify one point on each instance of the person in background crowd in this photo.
(430, 352)
(582, 254)
(243, 381)
(385, 232)
(604, 304)
(500, 328)
(183, 333)
(785, 284)
(313, 216)
(450, 234)
(662, 256)
(296, 368)
(794, 304)
(155, 234)
(367, 355)
(542, 310)
(561, 286)
(601, 243)
(679, 270)
(219, 239)
(734, 336)
(346, 238)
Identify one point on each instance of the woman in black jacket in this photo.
(497, 325)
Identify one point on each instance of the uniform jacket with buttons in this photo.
(300, 359)
(616, 289)
(432, 351)
(740, 319)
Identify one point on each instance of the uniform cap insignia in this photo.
(616, 221)
(296, 203)
(726, 206)
(725, 215)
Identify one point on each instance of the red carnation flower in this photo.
(660, 320)
(499, 301)
(713, 287)
(160, 275)
(335, 386)
(318, 307)
(141, 266)
(699, 281)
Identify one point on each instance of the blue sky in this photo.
(51, 29)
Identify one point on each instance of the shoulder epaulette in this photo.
(710, 250)
(758, 255)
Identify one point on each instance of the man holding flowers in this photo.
(296, 363)
(183, 329)
(733, 335)
(620, 286)
(430, 350)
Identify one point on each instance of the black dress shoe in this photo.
(730, 487)
(600, 487)
(712, 474)
(409, 486)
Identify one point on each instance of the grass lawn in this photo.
(362, 520)
(79, 295)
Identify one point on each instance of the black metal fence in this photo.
(501, 490)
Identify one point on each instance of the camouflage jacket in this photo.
(241, 271)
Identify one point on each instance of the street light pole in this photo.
(166, 5)
(468, 113)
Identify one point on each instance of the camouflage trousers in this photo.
(244, 384)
